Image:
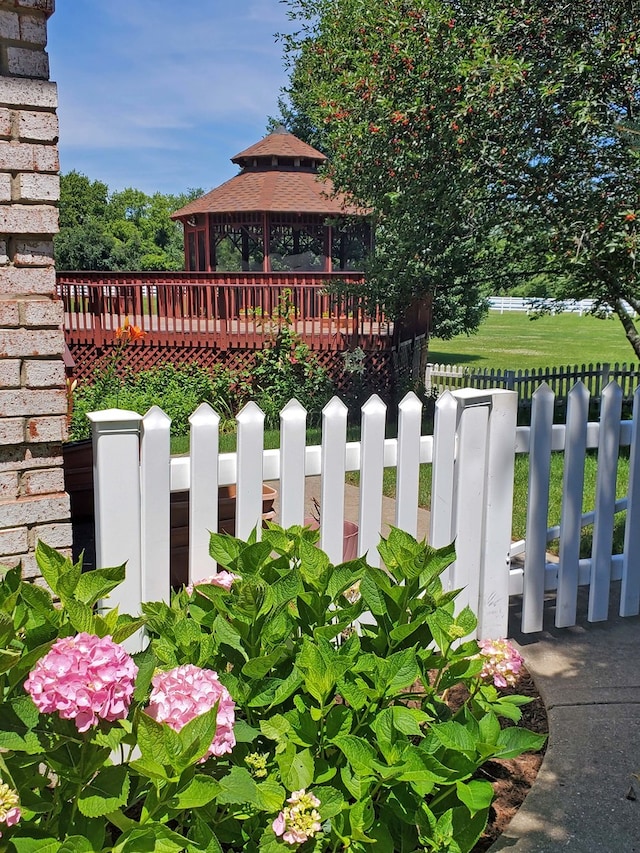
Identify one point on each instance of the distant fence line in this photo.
(443, 377)
(556, 306)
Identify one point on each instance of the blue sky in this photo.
(159, 94)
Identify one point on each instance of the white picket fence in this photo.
(472, 450)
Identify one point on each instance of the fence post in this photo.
(155, 480)
(630, 591)
(469, 497)
(116, 489)
(493, 605)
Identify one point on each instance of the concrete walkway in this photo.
(586, 798)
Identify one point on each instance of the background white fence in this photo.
(472, 450)
(442, 377)
(529, 304)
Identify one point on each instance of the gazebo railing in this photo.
(224, 310)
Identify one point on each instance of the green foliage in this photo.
(126, 230)
(318, 707)
(496, 141)
(177, 389)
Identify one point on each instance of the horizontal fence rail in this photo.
(441, 377)
(472, 453)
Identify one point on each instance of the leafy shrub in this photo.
(177, 389)
(284, 369)
(337, 739)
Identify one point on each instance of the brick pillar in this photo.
(33, 503)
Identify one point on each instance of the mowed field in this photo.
(513, 341)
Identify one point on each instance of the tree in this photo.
(476, 129)
(125, 230)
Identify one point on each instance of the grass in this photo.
(520, 492)
(513, 341)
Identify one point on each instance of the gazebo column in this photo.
(327, 247)
(207, 243)
(266, 242)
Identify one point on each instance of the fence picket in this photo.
(408, 463)
(571, 513)
(334, 441)
(293, 438)
(249, 489)
(630, 590)
(374, 414)
(441, 523)
(155, 478)
(608, 444)
(537, 509)
(203, 489)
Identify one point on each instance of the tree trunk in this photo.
(629, 327)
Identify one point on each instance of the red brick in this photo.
(9, 484)
(36, 126)
(16, 281)
(56, 535)
(11, 431)
(9, 313)
(5, 120)
(16, 403)
(38, 509)
(10, 373)
(48, 373)
(31, 342)
(14, 540)
(53, 429)
(33, 29)
(42, 312)
(23, 62)
(34, 253)
(9, 25)
(25, 157)
(46, 481)
(18, 92)
(28, 219)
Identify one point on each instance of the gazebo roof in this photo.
(278, 176)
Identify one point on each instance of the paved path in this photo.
(586, 798)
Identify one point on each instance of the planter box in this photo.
(78, 479)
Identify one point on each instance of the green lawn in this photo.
(512, 341)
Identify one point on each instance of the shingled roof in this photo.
(278, 176)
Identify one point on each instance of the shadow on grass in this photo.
(436, 357)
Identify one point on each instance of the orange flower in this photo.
(127, 332)
(630, 217)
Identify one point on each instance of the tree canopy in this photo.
(496, 139)
(125, 230)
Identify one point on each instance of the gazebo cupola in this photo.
(277, 214)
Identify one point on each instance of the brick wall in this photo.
(33, 503)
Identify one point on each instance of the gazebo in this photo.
(276, 215)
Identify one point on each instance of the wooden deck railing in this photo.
(221, 310)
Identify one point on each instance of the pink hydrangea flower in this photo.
(9, 802)
(84, 678)
(300, 820)
(222, 579)
(187, 691)
(501, 663)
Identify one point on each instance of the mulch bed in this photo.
(512, 778)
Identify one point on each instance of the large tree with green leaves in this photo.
(489, 136)
(125, 230)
